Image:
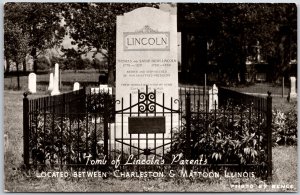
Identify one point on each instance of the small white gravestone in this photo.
(95, 90)
(293, 93)
(105, 89)
(55, 90)
(50, 88)
(32, 83)
(76, 86)
(213, 97)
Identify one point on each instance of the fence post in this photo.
(282, 92)
(60, 86)
(205, 83)
(188, 128)
(105, 123)
(269, 134)
(106, 115)
(84, 97)
(26, 130)
(64, 104)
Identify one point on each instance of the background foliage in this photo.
(229, 135)
(234, 28)
(284, 127)
(233, 31)
(60, 140)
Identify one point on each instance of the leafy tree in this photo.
(59, 60)
(86, 62)
(96, 64)
(73, 59)
(92, 26)
(43, 63)
(235, 28)
(41, 21)
(15, 45)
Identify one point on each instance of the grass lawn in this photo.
(284, 168)
(263, 88)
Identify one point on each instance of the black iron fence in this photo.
(233, 134)
(259, 122)
(73, 128)
(41, 113)
(198, 96)
(237, 98)
(64, 103)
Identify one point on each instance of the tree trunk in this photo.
(34, 56)
(110, 79)
(243, 67)
(7, 65)
(24, 65)
(111, 67)
(283, 55)
(18, 75)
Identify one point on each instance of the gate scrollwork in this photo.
(146, 102)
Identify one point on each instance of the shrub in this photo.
(229, 135)
(67, 138)
(43, 63)
(60, 140)
(284, 127)
(96, 104)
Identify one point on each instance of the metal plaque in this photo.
(149, 124)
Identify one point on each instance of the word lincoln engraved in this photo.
(146, 39)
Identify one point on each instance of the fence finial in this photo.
(25, 94)
(269, 93)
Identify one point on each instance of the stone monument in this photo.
(292, 92)
(50, 87)
(105, 89)
(55, 90)
(146, 55)
(95, 90)
(76, 86)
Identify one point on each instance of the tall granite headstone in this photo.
(146, 55)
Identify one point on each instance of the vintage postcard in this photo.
(150, 97)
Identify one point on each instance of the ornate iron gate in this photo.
(144, 129)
